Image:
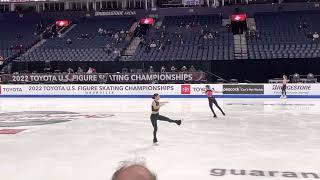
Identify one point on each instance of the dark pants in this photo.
(212, 101)
(284, 90)
(154, 118)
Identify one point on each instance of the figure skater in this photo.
(284, 86)
(209, 92)
(155, 116)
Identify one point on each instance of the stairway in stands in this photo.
(240, 46)
(131, 49)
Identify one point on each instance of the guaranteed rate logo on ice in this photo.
(263, 173)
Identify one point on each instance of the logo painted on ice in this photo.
(36, 118)
(185, 89)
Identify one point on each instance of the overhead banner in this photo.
(115, 13)
(103, 78)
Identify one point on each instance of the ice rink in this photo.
(85, 139)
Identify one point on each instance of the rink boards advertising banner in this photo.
(166, 90)
(105, 89)
(293, 89)
(243, 89)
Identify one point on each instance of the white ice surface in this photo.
(263, 134)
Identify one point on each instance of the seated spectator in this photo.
(80, 70)
(122, 32)
(168, 42)
(151, 69)
(117, 52)
(108, 49)
(163, 69)
(116, 36)
(69, 41)
(173, 69)
(70, 70)
(183, 69)
(1, 60)
(100, 31)
(315, 36)
(192, 69)
(91, 70)
(153, 44)
(108, 33)
(161, 46)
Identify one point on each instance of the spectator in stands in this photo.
(133, 171)
(20, 48)
(168, 41)
(162, 35)
(151, 69)
(315, 36)
(108, 49)
(122, 32)
(117, 52)
(108, 33)
(173, 69)
(161, 46)
(80, 70)
(69, 41)
(116, 36)
(91, 70)
(183, 69)
(163, 69)
(192, 69)
(100, 31)
(181, 41)
(70, 70)
(1, 60)
(153, 44)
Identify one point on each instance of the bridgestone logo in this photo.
(293, 87)
(275, 174)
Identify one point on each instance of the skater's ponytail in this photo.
(155, 95)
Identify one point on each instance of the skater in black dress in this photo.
(209, 92)
(155, 116)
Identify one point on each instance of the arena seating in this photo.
(17, 33)
(89, 48)
(194, 46)
(279, 36)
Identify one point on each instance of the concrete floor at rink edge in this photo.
(85, 139)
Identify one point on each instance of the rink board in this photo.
(166, 90)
